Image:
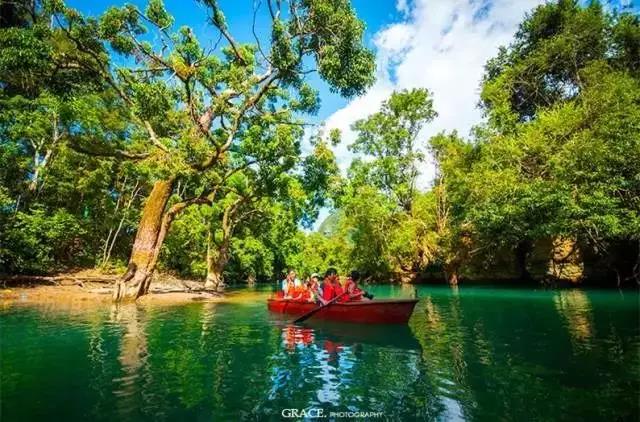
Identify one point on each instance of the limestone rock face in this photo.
(556, 259)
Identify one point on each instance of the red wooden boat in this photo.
(390, 311)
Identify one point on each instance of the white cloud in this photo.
(441, 45)
(403, 6)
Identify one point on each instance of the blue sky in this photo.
(239, 14)
(440, 45)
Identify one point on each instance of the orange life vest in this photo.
(338, 290)
(305, 295)
(328, 291)
(354, 291)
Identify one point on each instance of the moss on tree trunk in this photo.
(153, 227)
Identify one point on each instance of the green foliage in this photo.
(157, 14)
(542, 67)
(390, 138)
(82, 140)
(320, 176)
(185, 248)
(318, 252)
(38, 242)
(556, 159)
(337, 40)
(86, 138)
(377, 225)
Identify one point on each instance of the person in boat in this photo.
(290, 283)
(308, 293)
(328, 291)
(354, 292)
(314, 287)
(351, 287)
(338, 289)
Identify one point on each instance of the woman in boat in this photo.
(353, 289)
(307, 294)
(338, 289)
(290, 283)
(354, 293)
(314, 287)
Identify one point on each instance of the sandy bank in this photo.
(92, 287)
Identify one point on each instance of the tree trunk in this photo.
(217, 259)
(522, 252)
(218, 254)
(451, 274)
(154, 224)
(625, 261)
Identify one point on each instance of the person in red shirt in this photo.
(329, 285)
(351, 287)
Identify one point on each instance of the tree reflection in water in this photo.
(466, 354)
(132, 357)
(471, 354)
(574, 308)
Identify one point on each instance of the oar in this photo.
(313, 311)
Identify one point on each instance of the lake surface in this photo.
(473, 353)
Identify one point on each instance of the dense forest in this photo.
(125, 143)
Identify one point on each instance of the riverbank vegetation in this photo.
(116, 152)
(546, 188)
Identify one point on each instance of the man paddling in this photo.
(353, 291)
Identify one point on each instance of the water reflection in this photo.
(293, 335)
(337, 366)
(574, 308)
(209, 310)
(467, 354)
(132, 357)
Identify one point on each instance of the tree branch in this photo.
(223, 30)
(116, 153)
(154, 137)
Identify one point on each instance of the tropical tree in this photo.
(57, 203)
(389, 141)
(548, 165)
(199, 115)
(378, 198)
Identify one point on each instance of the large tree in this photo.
(388, 140)
(202, 114)
(558, 157)
(378, 197)
(58, 204)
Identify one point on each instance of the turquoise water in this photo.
(473, 353)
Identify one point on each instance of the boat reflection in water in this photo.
(392, 336)
(337, 359)
(294, 335)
